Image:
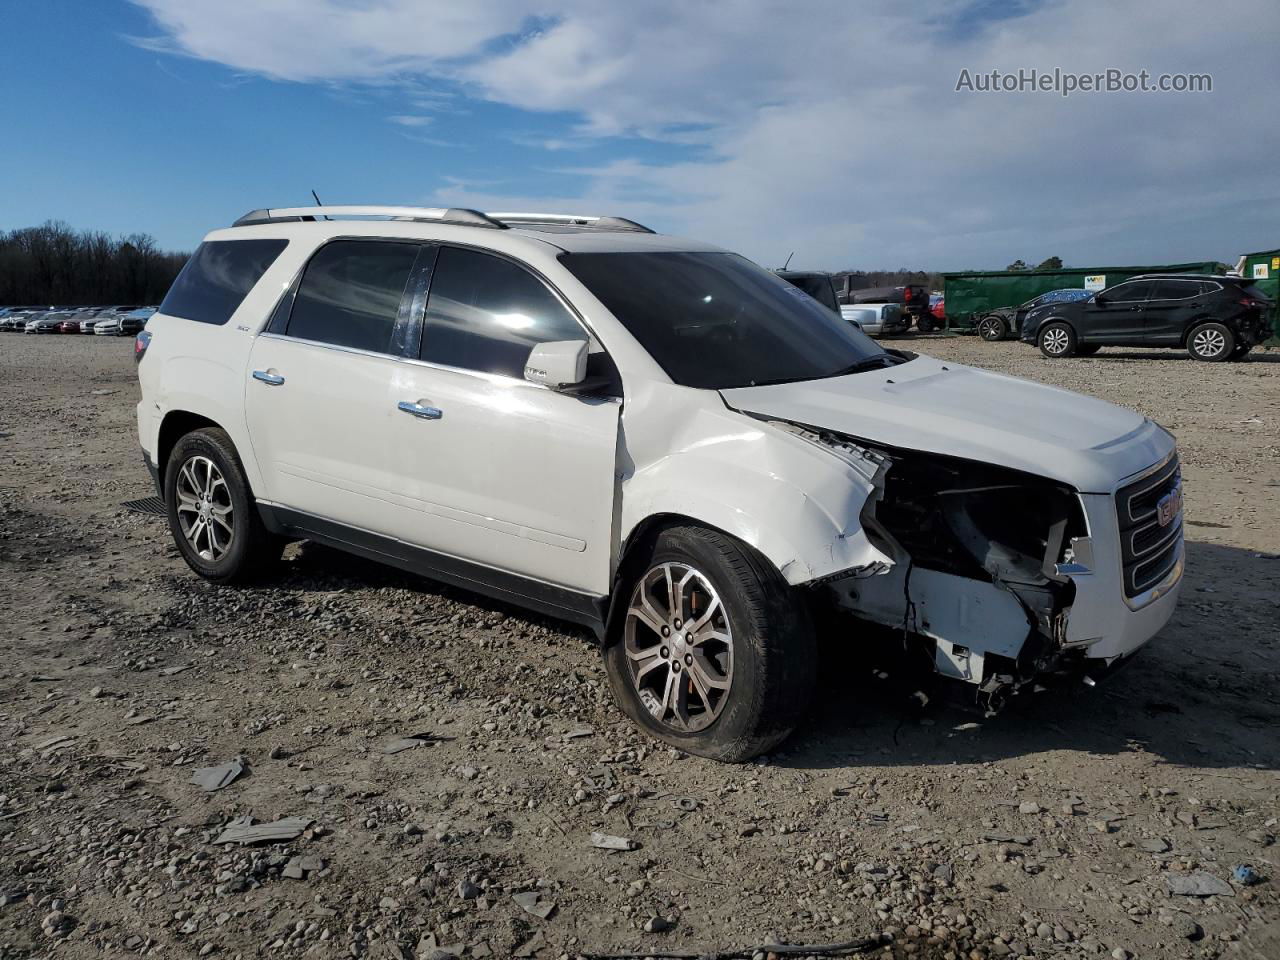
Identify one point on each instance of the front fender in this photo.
(797, 503)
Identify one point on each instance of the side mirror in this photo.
(561, 363)
(1097, 298)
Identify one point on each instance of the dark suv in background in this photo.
(1212, 317)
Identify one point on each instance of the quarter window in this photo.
(217, 278)
(486, 313)
(350, 293)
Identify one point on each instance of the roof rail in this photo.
(614, 224)
(454, 215)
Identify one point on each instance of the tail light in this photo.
(906, 293)
(140, 344)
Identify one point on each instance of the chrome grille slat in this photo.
(1148, 551)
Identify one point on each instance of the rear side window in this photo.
(1176, 289)
(486, 313)
(217, 277)
(350, 293)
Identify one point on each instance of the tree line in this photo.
(56, 265)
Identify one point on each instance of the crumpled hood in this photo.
(954, 410)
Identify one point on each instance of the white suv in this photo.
(653, 437)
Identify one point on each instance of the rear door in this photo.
(502, 472)
(1172, 305)
(318, 391)
(1115, 316)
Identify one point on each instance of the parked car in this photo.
(135, 320)
(878, 319)
(1003, 322)
(815, 283)
(912, 298)
(70, 325)
(1213, 317)
(443, 392)
(938, 308)
(45, 323)
(107, 326)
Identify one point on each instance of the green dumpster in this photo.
(971, 294)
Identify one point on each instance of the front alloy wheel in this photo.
(711, 650)
(1057, 340)
(679, 647)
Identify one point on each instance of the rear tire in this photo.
(1211, 342)
(212, 513)
(992, 329)
(926, 324)
(721, 664)
(1057, 340)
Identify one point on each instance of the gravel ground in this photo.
(1060, 828)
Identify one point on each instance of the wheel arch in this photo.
(176, 425)
(1199, 321)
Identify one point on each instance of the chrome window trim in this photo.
(498, 378)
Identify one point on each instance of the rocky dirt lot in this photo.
(444, 760)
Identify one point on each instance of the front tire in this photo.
(1211, 342)
(992, 329)
(713, 654)
(212, 513)
(1057, 340)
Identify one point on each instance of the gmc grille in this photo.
(1148, 550)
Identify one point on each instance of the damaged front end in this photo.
(981, 581)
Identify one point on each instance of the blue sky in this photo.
(766, 127)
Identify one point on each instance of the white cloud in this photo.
(410, 120)
(831, 129)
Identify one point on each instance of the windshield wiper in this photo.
(874, 362)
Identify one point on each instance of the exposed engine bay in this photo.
(982, 558)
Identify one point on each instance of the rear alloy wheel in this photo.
(212, 514)
(1211, 342)
(713, 652)
(992, 328)
(1057, 340)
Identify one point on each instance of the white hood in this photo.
(960, 411)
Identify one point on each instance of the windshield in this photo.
(717, 321)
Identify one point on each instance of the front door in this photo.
(503, 472)
(318, 391)
(1115, 314)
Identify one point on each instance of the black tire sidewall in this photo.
(1228, 337)
(738, 732)
(208, 443)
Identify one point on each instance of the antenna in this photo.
(317, 200)
(784, 266)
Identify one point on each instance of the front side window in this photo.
(218, 277)
(716, 320)
(350, 294)
(486, 313)
(1138, 290)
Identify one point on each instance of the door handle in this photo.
(420, 411)
(271, 379)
